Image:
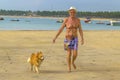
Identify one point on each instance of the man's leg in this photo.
(74, 58)
(69, 59)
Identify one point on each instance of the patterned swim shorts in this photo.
(71, 44)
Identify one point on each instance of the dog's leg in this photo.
(34, 69)
(31, 67)
(37, 70)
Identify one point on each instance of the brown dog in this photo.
(35, 60)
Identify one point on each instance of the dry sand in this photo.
(98, 58)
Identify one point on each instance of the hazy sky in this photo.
(58, 5)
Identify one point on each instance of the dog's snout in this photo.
(42, 58)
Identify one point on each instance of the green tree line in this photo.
(100, 14)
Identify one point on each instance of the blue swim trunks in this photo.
(71, 44)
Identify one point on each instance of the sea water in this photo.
(48, 24)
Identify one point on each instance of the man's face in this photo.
(72, 13)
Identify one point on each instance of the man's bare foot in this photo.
(69, 70)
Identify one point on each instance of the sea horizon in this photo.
(49, 23)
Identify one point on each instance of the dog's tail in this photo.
(28, 60)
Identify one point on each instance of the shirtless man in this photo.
(72, 25)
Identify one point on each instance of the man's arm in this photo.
(60, 30)
(81, 33)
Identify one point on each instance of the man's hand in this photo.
(82, 42)
(54, 40)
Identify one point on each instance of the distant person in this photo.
(72, 25)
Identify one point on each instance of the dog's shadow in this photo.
(53, 71)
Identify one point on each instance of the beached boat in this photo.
(115, 23)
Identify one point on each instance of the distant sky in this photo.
(60, 5)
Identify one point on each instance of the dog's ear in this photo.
(40, 52)
(32, 54)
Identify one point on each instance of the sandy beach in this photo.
(98, 58)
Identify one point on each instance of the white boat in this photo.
(115, 23)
